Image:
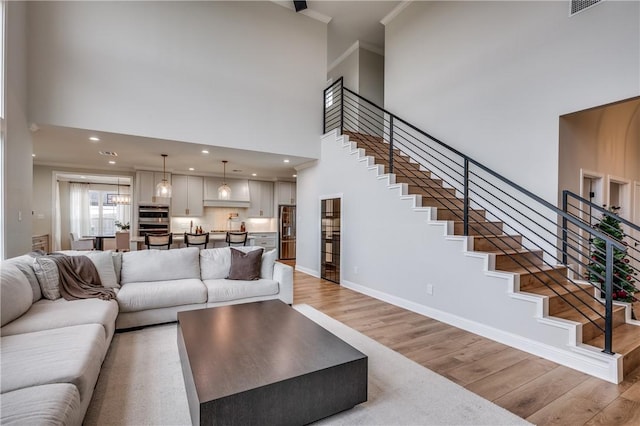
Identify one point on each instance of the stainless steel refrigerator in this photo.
(287, 219)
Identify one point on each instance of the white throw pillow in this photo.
(15, 293)
(104, 264)
(47, 273)
(215, 263)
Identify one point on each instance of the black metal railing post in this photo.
(391, 145)
(341, 106)
(564, 227)
(608, 282)
(465, 213)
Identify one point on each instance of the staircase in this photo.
(566, 296)
(510, 256)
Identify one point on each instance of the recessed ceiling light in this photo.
(254, 174)
(204, 151)
(33, 155)
(286, 160)
(294, 175)
(112, 162)
(191, 169)
(94, 139)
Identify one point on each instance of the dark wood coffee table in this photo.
(265, 363)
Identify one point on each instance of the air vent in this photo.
(580, 5)
(108, 153)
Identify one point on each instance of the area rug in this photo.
(141, 384)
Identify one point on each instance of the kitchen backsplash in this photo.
(217, 218)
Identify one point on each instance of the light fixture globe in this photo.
(224, 191)
(163, 188)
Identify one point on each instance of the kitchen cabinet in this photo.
(286, 192)
(261, 194)
(239, 192)
(264, 239)
(186, 196)
(146, 182)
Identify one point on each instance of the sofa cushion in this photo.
(15, 293)
(216, 263)
(104, 263)
(47, 314)
(160, 265)
(25, 264)
(54, 404)
(47, 272)
(62, 355)
(139, 296)
(245, 265)
(226, 290)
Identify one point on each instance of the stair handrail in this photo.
(336, 92)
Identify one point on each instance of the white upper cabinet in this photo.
(186, 195)
(261, 194)
(286, 192)
(146, 182)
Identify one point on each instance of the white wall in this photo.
(237, 74)
(17, 158)
(492, 78)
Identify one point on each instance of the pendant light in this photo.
(122, 199)
(224, 192)
(163, 188)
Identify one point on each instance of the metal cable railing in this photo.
(527, 234)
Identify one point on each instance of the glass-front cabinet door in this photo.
(330, 239)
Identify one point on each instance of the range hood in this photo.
(226, 203)
(239, 193)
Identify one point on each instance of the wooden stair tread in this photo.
(571, 314)
(544, 290)
(626, 338)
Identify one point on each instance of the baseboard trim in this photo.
(582, 358)
(308, 271)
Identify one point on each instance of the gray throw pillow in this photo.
(245, 266)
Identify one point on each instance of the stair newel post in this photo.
(466, 198)
(391, 144)
(564, 227)
(608, 319)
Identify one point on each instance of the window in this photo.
(104, 212)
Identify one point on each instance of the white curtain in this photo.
(57, 225)
(79, 213)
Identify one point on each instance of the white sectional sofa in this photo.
(52, 350)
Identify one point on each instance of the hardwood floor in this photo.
(540, 391)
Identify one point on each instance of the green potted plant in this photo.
(123, 227)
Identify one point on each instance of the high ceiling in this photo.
(349, 21)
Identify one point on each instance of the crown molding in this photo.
(395, 12)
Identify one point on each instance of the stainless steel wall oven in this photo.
(153, 220)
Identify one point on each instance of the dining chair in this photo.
(196, 239)
(78, 243)
(158, 240)
(236, 238)
(122, 241)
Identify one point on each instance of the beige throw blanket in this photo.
(79, 278)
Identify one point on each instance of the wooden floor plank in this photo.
(541, 391)
(579, 405)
